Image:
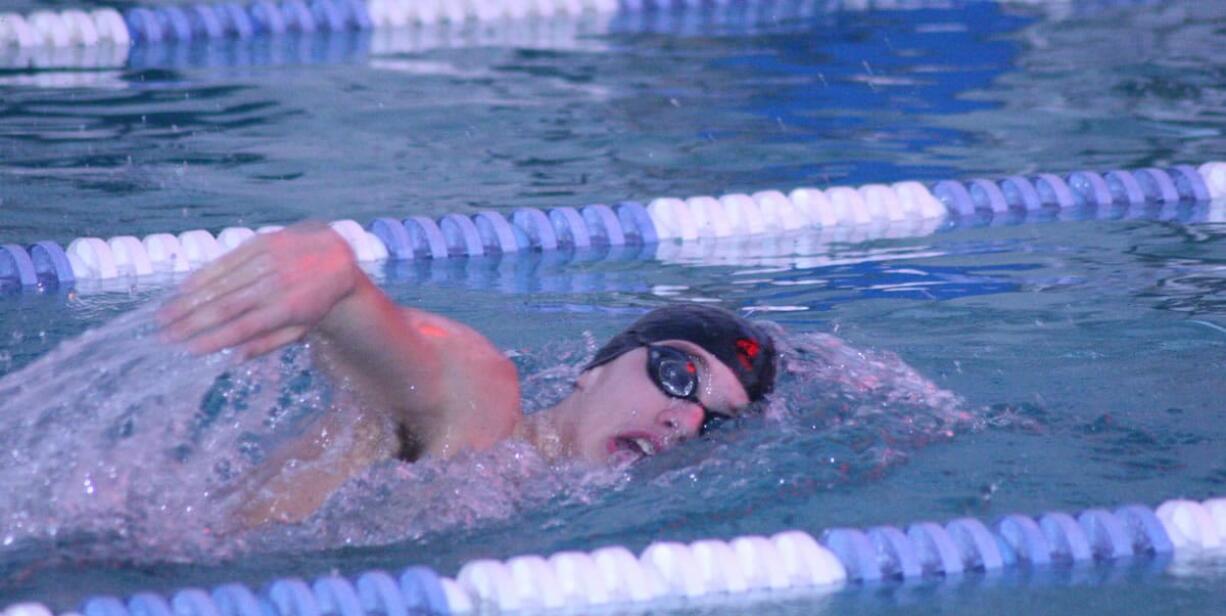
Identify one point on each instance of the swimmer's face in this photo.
(625, 415)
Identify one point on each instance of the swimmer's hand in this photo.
(439, 382)
(267, 293)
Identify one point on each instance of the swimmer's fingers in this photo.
(248, 327)
(291, 278)
(219, 314)
(273, 341)
(225, 266)
(233, 271)
(226, 297)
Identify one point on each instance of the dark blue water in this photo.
(1087, 354)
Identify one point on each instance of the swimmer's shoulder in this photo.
(480, 400)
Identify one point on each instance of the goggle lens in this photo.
(678, 377)
(676, 374)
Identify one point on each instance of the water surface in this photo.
(1082, 359)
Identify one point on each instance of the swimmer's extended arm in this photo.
(446, 384)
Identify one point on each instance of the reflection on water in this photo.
(1193, 279)
(252, 133)
(652, 103)
(1112, 88)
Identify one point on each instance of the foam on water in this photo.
(839, 415)
(117, 446)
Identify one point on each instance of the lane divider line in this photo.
(901, 209)
(710, 571)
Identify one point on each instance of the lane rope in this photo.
(901, 209)
(709, 571)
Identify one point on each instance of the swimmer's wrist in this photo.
(353, 305)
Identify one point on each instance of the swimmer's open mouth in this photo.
(642, 445)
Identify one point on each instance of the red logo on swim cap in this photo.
(747, 350)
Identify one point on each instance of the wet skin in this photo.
(419, 382)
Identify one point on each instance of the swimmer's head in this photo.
(736, 342)
(668, 377)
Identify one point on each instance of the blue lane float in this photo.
(1065, 537)
(669, 574)
(497, 234)
(856, 552)
(148, 604)
(227, 33)
(902, 557)
(426, 238)
(1054, 191)
(902, 209)
(17, 266)
(236, 20)
(1106, 534)
(1023, 541)
(936, 550)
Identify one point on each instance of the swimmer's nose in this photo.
(681, 418)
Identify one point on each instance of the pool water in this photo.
(980, 370)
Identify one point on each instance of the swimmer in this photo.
(429, 386)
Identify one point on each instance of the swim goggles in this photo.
(675, 372)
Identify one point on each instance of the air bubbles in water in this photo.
(118, 446)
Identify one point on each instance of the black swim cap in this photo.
(742, 346)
